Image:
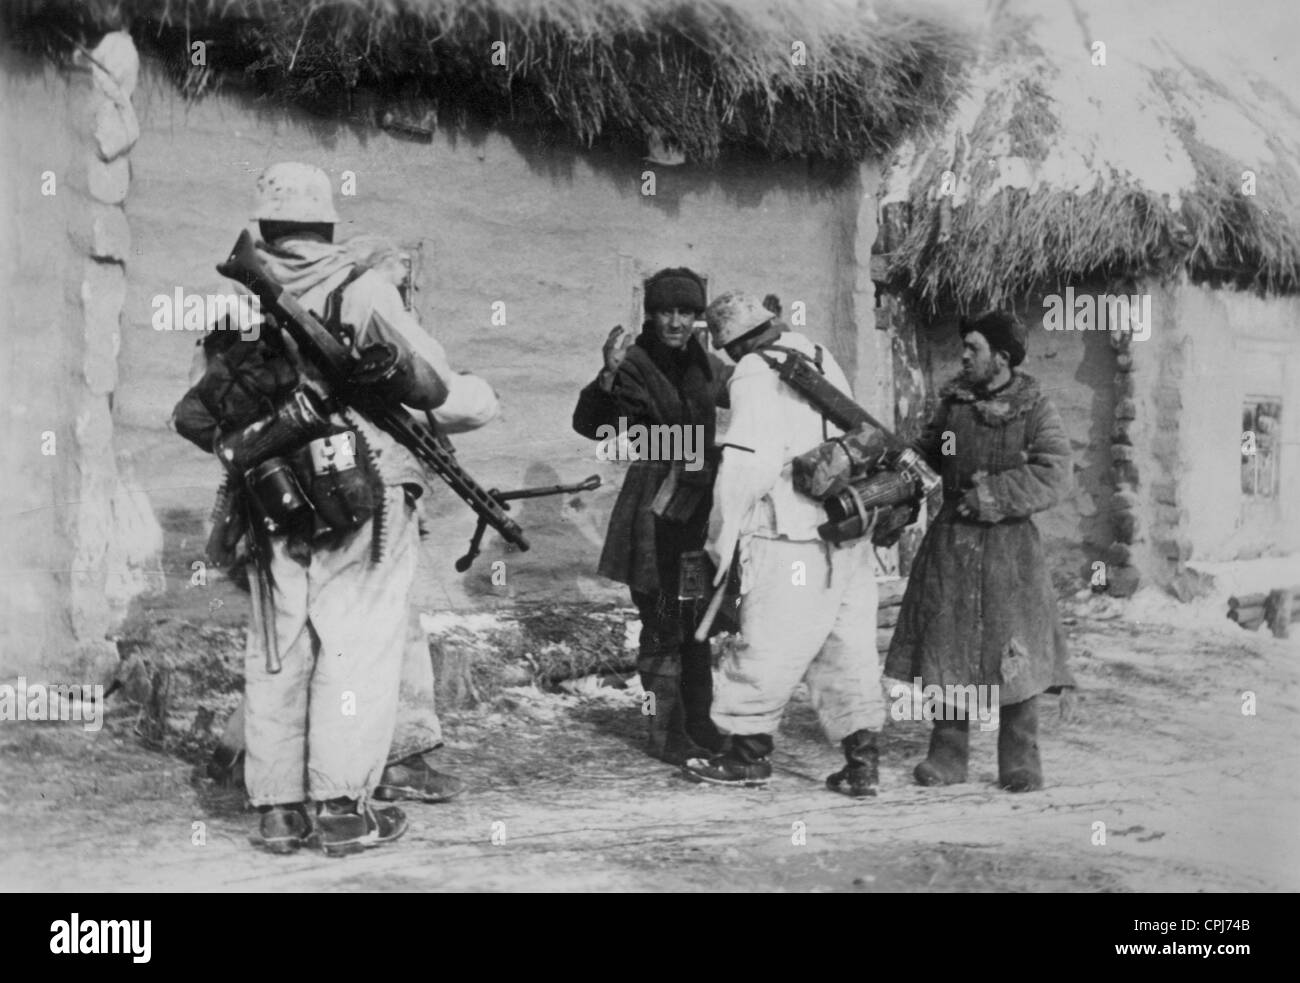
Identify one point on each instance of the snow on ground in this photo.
(1250, 576)
(475, 623)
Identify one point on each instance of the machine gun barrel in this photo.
(591, 484)
(501, 498)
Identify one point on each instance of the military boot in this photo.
(949, 750)
(861, 774)
(284, 828)
(414, 778)
(347, 826)
(1019, 767)
(744, 763)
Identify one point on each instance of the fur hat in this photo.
(675, 288)
(1001, 329)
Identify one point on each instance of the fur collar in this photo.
(1017, 399)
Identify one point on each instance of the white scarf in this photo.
(301, 264)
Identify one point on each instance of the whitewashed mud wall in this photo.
(1210, 349)
(79, 543)
(557, 239)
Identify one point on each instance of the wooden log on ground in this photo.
(883, 638)
(1246, 613)
(1295, 602)
(1277, 613)
(1248, 618)
(1246, 601)
(887, 617)
(1251, 622)
(556, 667)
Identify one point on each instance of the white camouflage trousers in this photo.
(803, 616)
(321, 727)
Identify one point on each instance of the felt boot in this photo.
(945, 764)
(1019, 767)
(666, 716)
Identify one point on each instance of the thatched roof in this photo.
(1067, 170)
(711, 75)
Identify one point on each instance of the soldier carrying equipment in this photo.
(862, 471)
(333, 361)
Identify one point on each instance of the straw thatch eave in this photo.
(1049, 175)
(708, 75)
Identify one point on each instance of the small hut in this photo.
(540, 155)
(1128, 180)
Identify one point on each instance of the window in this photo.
(1261, 437)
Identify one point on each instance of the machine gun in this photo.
(502, 498)
(334, 361)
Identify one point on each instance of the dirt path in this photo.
(1194, 795)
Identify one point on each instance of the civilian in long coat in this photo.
(979, 607)
(664, 378)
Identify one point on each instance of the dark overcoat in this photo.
(979, 606)
(655, 385)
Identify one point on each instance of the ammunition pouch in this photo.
(325, 487)
(343, 491)
(307, 476)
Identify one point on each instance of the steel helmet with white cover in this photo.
(293, 192)
(734, 315)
